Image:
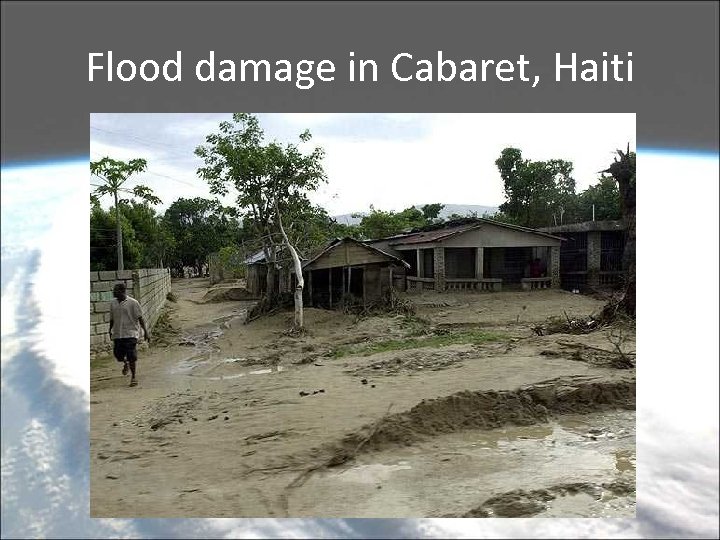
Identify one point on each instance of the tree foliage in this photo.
(260, 173)
(604, 197)
(537, 193)
(103, 240)
(200, 227)
(380, 223)
(113, 175)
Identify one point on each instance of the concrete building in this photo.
(591, 254)
(477, 254)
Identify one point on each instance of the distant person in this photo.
(536, 268)
(125, 323)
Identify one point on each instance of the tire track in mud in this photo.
(531, 404)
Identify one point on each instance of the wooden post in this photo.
(479, 263)
(310, 291)
(343, 280)
(330, 284)
(364, 282)
(349, 278)
(420, 272)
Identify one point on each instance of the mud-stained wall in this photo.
(149, 286)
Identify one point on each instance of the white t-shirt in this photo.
(125, 317)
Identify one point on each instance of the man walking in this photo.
(125, 323)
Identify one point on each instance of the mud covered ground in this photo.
(461, 410)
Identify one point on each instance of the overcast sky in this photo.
(391, 161)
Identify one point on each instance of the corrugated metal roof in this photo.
(337, 241)
(433, 235)
(439, 233)
(256, 258)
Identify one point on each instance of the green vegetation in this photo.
(435, 340)
(271, 180)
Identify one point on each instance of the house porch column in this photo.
(555, 267)
(439, 256)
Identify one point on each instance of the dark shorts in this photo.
(125, 349)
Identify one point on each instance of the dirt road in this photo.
(458, 410)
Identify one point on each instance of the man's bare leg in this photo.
(133, 381)
(125, 368)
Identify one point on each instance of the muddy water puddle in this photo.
(567, 468)
(218, 369)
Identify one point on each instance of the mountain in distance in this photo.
(448, 210)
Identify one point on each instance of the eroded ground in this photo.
(460, 410)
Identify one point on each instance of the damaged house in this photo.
(257, 267)
(348, 267)
(591, 256)
(476, 254)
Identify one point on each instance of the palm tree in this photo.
(113, 175)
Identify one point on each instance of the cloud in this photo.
(390, 160)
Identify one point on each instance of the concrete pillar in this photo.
(479, 253)
(555, 267)
(594, 247)
(420, 265)
(439, 256)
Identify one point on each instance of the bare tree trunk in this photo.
(623, 171)
(300, 282)
(118, 228)
(271, 277)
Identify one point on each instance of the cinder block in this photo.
(100, 286)
(102, 307)
(94, 297)
(106, 296)
(99, 340)
(108, 276)
(102, 328)
(124, 274)
(94, 276)
(96, 318)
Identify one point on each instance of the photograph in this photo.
(362, 315)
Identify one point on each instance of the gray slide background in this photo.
(46, 102)
(47, 96)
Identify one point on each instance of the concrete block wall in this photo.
(555, 267)
(594, 250)
(439, 261)
(147, 286)
(150, 288)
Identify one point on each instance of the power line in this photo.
(125, 134)
(181, 151)
(161, 175)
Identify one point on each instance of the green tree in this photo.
(103, 239)
(156, 241)
(269, 180)
(380, 224)
(537, 193)
(431, 212)
(604, 197)
(113, 174)
(199, 227)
